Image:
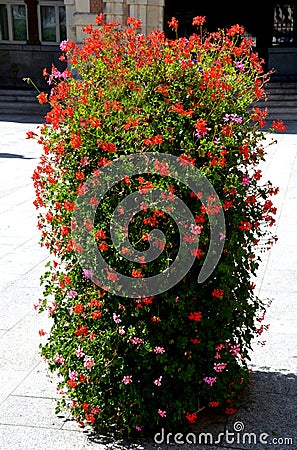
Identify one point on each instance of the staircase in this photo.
(21, 101)
(282, 100)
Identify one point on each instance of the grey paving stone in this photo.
(280, 280)
(9, 381)
(19, 345)
(30, 438)
(39, 383)
(30, 412)
(278, 354)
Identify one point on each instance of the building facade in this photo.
(31, 30)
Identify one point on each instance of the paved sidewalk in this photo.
(27, 417)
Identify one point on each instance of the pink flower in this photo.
(127, 379)
(245, 181)
(210, 380)
(196, 229)
(88, 273)
(73, 375)
(59, 358)
(159, 350)
(138, 428)
(79, 353)
(219, 367)
(72, 293)
(122, 331)
(63, 45)
(116, 318)
(234, 350)
(161, 413)
(88, 362)
(158, 381)
(239, 65)
(135, 340)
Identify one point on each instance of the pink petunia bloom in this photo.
(127, 379)
(159, 350)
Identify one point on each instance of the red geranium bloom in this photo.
(196, 316)
(279, 125)
(191, 417)
(198, 20)
(217, 293)
(173, 23)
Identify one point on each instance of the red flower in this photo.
(195, 341)
(72, 384)
(100, 234)
(108, 147)
(186, 160)
(94, 201)
(217, 293)
(213, 404)
(246, 226)
(75, 140)
(79, 175)
(96, 314)
(65, 231)
(196, 316)
(278, 125)
(42, 98)
(90, 418)
(191, 417)
(135, 23)
(198, 20)
(173, 23)
(79, 308)
(230, 411)
(136, 273)
(235, 29)
(41, 333)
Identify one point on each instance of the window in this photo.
(13, 22)
(52, 22)
(49, 19)
(283, 24)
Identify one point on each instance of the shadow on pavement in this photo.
(13, 155)
(266, 418)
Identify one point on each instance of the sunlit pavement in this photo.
(27, 417)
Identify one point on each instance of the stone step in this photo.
(21, 101)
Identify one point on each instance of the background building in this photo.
(31, 30)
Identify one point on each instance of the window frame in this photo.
(8, 4)
(56, 4)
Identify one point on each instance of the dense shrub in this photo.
(139, 362)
